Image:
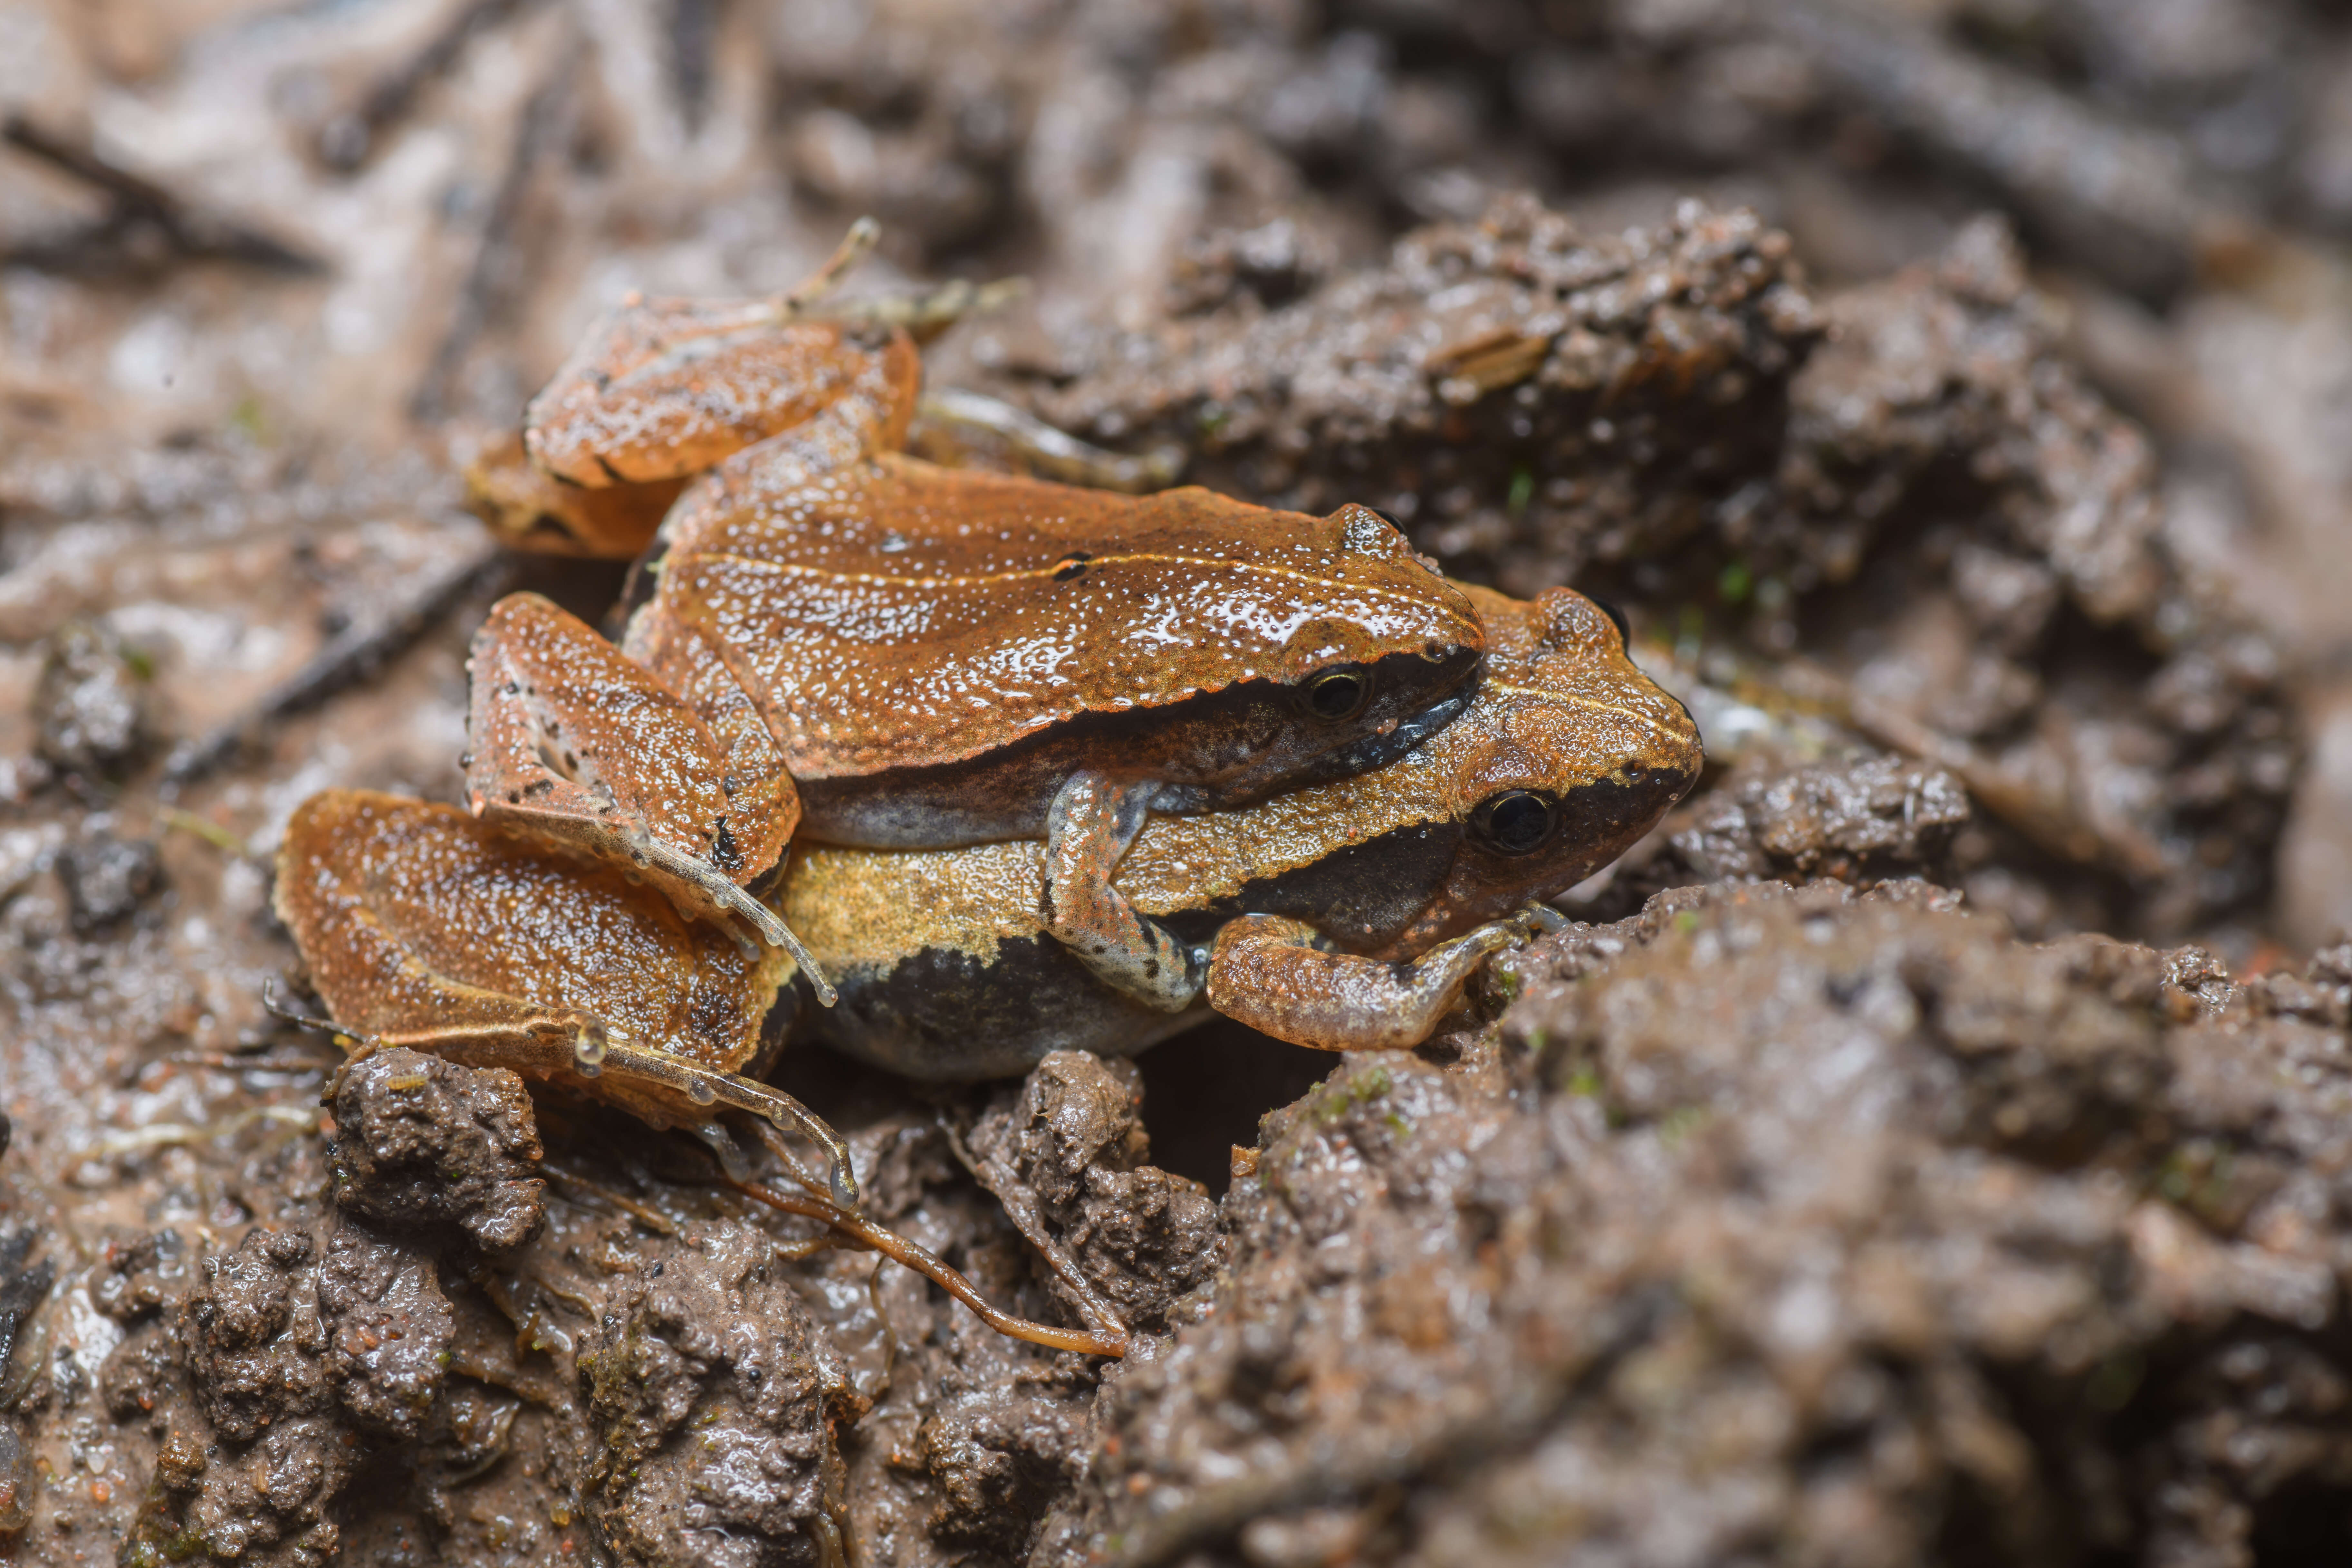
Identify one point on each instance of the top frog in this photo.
(829, 636)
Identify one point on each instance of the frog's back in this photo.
(890, 614)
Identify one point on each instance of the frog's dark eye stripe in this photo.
(1616, 619)
(1389, 518)
(1516, 821)
(1337, 694)
(1071, 566)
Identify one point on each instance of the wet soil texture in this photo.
(1929, 1146)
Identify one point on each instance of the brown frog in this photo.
(1343, 915)
(828, 638)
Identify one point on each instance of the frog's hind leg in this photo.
(422, 930)
(708, 1087)
(1088, 828)
(573, 744)
(1268, 972)
(554, 1043)
(950, 422)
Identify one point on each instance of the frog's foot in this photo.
(864, 234)
(1268, 972)
(573, 743)
(356, 1046)
(1087, 828)
(957, 420)
(551, 1043)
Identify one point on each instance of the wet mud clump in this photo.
(1778, 1224)
(1775, 1220)
(705, 1385)
(422, 1144)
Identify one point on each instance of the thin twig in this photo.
(1020, 1203)
(144, 223)
(2126, 199)
(256, 1061)
(693, 41)
(352, 656)
(345, 142)
(651, 1218)
(490, 280)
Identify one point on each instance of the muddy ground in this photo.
(1933, 1145)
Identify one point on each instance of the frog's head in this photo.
(1567, 755)
(1371, 634)
(1563, 754)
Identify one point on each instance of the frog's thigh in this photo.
(1266, 973)
(1088, 829)
(576, 744)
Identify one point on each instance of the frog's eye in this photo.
(1340, 693)
(1516, 821)
(1616, 619)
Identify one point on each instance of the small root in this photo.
(898, 1249)
(576, 1187)
(1020, 1205)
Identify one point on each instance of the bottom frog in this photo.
(1344, 916)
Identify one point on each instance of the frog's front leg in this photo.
(1268, 971)
(576, 745)
(529, 509)
(1088, 829)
